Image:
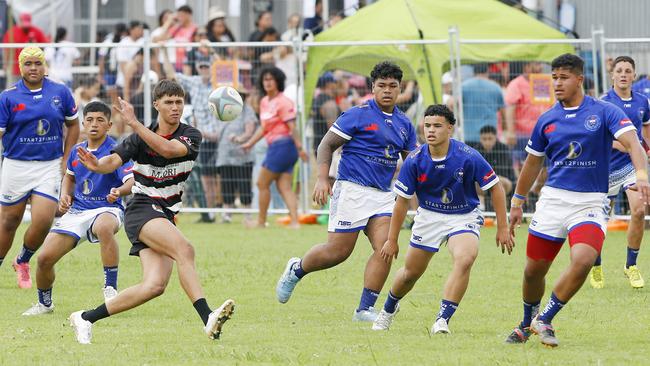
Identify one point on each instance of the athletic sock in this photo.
(368, 299)
(25, 255)
(391, 303)
(597, 262)
(447, 309)
(96, 314)
(201, 306)
(631, 257)
(530, 310)
(110, 277)
(45, 297)
(298, 271)
(552, 308)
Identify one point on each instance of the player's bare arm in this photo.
(529, 172)
(630, 141)
(71, 138)
(391, 246)
(121, 191)
(168, 149)
(105, 165)
(326, 148)
(503, 237)
(67, 192)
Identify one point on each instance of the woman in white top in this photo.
(61, 58)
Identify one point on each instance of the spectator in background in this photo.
(521, 114)
(138, 98)
(199, 89)
(315, 24)
(87, 91)
(263, 22)
(293, 28)
(498, 156)
(234, 164)
(60, 58)
(642, 86)
(182, 32)
(126, 53)
(218, 31)
(107, 60)
(201, 54)
(324, 110)
(22, 32)
(448, 90)
(482, 100)
(166, 20)
(278, 126)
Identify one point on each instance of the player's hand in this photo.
(516, 214)
(389, 251)
(113, 196)
(303, 155)
(125, 110)
(643, 188)
(505, 239)
(322, 191)
(88, 159)
(64, 203)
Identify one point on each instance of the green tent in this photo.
(400, 20)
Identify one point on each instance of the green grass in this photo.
(607, 326)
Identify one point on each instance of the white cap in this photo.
(447, 78)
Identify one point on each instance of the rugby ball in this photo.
(225, 103)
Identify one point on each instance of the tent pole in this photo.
(454, 64)
(424, 53)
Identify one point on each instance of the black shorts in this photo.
(140, 210)
(207, 159)
(236, 179)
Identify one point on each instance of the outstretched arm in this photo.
(328, 145)
(105, 165)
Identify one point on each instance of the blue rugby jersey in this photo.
(447, 185)
(375, 139)
(92, 188)
(32, 121)
(577, 143)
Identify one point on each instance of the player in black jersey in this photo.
(163, 156)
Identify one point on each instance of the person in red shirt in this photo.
(23, 32)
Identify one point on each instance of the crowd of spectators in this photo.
(498, 106)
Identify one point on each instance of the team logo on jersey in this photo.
(389, 151)
(458, 175)
(403, 133)
(21, 107)
(87, 187)
(489, 175)
(575, 149)
(625, 122)
(42, 127)
(592, 123)
(388, 121)
(422, 178)
(550, 128)
(447, 195)
(55, 102)
(371, 127)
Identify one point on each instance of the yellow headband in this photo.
(30, 52)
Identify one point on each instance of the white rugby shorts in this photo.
(559, 211)
(352, 205)
(20, 179)
(79, 223)
(433, 229)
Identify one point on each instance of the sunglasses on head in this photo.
(203, 66)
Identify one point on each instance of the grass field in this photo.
(599, 327)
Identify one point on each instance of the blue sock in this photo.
(554, 305)
(368, 299)
(530, 310)
(597, 262)
(25, 255)
(45, 296)
(631, 257)
(110, 277)
(298, 271)
(447, 309)
(391, 303)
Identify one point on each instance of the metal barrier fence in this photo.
(506, 97)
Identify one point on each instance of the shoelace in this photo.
(383, 320)
(635, 274)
